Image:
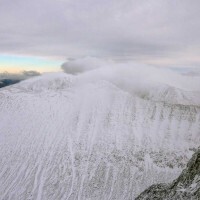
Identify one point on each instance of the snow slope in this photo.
(61, 138)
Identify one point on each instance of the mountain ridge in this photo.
(89, 141)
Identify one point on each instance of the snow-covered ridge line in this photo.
(156, 92)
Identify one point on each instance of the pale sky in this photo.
(41, 34)
(15, 63)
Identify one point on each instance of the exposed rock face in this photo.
(186, 186)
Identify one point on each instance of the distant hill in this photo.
(7, 82)
(7, 78)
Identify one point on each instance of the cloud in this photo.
(76, 66)
(130, 76)
(30, 73)
(141, 30)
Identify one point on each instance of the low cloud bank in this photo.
(132, 77)
(77, 66)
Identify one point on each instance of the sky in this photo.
(42, 34)
(16, 64)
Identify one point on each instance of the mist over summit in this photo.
(149, 82)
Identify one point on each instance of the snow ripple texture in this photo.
(92, 141)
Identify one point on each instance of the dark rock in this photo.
(7, 82)
(185, 187)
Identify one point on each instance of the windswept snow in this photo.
(63, 138)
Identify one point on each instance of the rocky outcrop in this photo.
(186, 186)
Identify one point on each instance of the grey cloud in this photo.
(30, 73)
(134, 28)
(76, 66)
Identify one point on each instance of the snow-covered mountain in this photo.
(63, 138)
